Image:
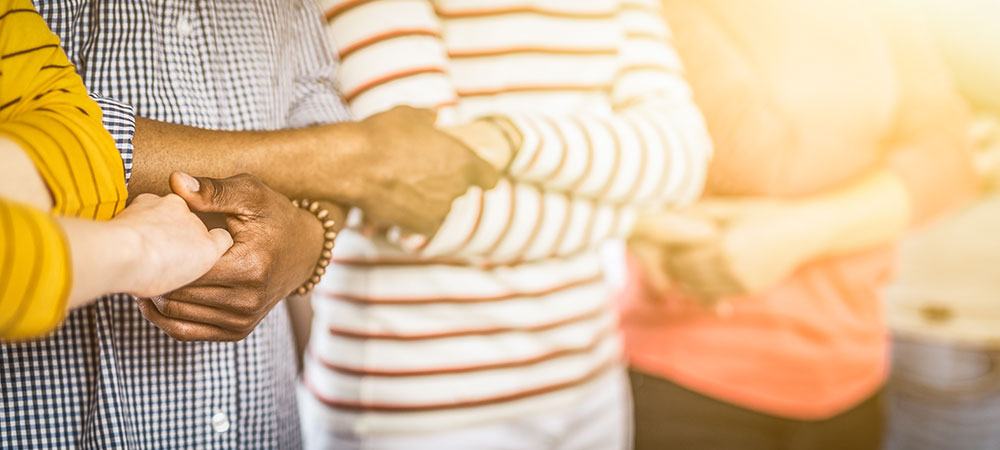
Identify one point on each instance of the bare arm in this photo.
(396, 166)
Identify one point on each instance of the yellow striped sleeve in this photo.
(35, 272)
(45, 109)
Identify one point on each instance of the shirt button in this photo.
(183, 26)
(220, 422)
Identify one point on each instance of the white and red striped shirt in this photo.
(504, 310)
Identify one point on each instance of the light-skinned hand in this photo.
(726, 247)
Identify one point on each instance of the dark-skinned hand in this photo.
(413, 171)
(275, 249)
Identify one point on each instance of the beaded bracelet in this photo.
(328, 237)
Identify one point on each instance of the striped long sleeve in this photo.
(580, 174)
(46, 111)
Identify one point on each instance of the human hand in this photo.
(412, 171)
(154, 245)
(174, 246)
(276, 247)
(729, 247)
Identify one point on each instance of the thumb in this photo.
(209, 195)
(222, 240)
(483, 174)
(673, 229)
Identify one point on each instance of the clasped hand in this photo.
(275, 249)
(722, 247)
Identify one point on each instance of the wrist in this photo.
(811, 220)
(331, 166)
(131, 255)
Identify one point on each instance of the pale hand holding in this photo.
(153, 246)
(722, 248)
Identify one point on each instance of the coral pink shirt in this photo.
(810, 348)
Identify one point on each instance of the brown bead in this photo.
(314, 207)
(314, 279)
(324, 262)
(305, 203)
(329, 224)
(322, 214)
(328, 245)
(320, 271)
(330, 235)
(295, 203)
(327, 254)
(301, 290)
(310, 285)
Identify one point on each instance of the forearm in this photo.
(102, 258)
(872, 211)
(310, 162)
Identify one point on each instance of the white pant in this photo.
(601, 422)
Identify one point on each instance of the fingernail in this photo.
(189, 182)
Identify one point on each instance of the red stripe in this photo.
(588, 231)
(479, 53)
(661, 186)
(590, 156)
(372, 40)
(397, 407)
(538, 146)
(643, 150)
(525, 9)
(510, 220)
(613, 175)
(446, 103)
(540, 219)
(560, 353)
(472, 299)
(562, 227)
(391, 77)
(645, 68)
(531, 88)
(335, 11)
(565, 147)
(400, 261)
(473, 332)
(475, 226)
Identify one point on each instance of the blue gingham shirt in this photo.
(108, 378)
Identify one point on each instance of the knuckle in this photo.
(174, 200)
(144, 198)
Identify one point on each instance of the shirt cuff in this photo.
(119, 120)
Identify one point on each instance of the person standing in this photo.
(496, 331)
(216, 90)
(759, 322)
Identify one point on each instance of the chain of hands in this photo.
(196, 291)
